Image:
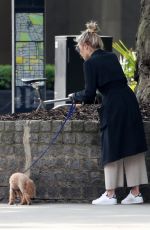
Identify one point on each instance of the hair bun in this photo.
(92, 27)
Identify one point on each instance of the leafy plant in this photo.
(6, 75)
(50, 75)
(127, 61)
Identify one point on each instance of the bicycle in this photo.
(35, 83)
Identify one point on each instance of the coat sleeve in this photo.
(87, 95)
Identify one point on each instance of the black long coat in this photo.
(122, 132)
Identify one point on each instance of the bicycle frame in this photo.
(35, 83)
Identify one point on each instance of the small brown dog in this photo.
(21, 186)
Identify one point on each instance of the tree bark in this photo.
(143, 54)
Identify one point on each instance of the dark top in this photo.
(100, 69)
(122, 132)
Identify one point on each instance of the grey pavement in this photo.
(74, 217)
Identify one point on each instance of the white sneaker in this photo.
(105, 200)
(131, 199)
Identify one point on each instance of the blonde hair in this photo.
(91, 36)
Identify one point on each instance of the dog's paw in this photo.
(11, 203)
(29, 203)
(23, 203)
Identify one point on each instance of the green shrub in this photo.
(5, 76)
(50, 75)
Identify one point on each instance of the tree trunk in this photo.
(143, 54)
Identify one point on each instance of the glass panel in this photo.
(29, 26)
(29, 61)
(29, 55)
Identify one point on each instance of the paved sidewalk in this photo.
(75, 217)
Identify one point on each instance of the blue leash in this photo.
(69, 115)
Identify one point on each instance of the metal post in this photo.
(13, 53)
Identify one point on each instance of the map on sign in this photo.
(29, 46)
(29, 27)
(29, 61)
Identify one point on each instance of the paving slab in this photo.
(74, 217)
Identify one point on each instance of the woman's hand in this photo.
(78, 106)
(71, 96)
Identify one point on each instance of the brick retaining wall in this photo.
(69, 171)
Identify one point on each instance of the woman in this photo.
(122, 132)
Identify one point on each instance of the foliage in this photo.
(127, 61)
(6, 74)
(50, 75)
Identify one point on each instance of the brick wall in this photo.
(69, 171)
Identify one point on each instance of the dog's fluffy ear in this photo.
(30, 188)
